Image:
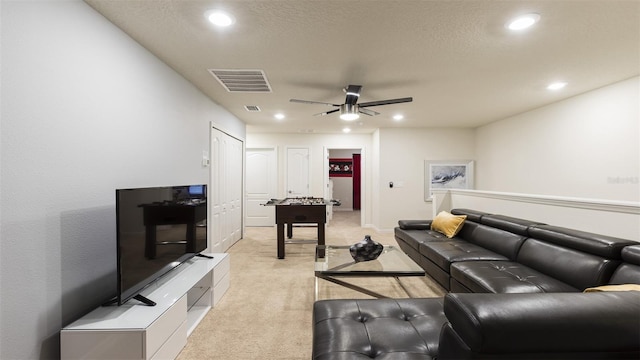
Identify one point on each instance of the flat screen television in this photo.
(158, 228)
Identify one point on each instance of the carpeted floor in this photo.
(266, 313)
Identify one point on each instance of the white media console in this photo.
(136, 331)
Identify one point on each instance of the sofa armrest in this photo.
(543, 325)
(414, 224)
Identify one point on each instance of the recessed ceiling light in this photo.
(398, 117)
(557, 85)
(523, 22)
(346, 130)
(279, 116)
(219, 18)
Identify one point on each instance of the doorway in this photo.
(345, 175)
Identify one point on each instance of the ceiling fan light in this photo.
(349, 112)
(349, 116)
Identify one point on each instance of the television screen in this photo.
(158, 228)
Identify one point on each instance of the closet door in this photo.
(235, 159)
(225, 191)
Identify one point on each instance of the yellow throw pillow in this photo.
(623, 287)
(448, 224)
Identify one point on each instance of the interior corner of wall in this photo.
(441, 201)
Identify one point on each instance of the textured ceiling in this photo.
(457, 60)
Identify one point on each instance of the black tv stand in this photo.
(144, 300)
(204, 256)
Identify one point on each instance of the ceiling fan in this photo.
(351, 110)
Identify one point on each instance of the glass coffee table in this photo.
(333, 262)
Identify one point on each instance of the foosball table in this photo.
(299, 210)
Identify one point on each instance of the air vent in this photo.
(242, 80)
(252, 108)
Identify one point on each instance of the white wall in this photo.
(587, 146)
(316, 144)
(85, 110)
(388, 155)
(402, 156)
(609, 217)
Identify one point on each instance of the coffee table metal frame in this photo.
(332, 262)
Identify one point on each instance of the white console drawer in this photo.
(162, 329)
(221, 288)
(101, 345)
(221, 270)
(174, 344)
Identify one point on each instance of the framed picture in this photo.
(449, 174)
(340, 167)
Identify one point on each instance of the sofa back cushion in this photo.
(629, 271)
(574, 267)
(541, 326)
(499, 241)
(472, 215)
(508, 223)
(601, 245)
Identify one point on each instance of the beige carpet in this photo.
(266, 313)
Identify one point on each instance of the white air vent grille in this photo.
(252, 108)
(242, 80)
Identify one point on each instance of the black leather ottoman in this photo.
(377, 328)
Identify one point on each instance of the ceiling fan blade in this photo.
(368, 112)
(386, 102)
(312, 102)
(326, 112)
(353, 93)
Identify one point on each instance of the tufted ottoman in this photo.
(377, 328)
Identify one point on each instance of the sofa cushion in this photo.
(473, 215)
(508, 223)
(629, 271)
(499, 241)
(541, 326)
(631, 254)
(416, 237)
(414, 224)
(446, 252)
(447, 223)
(505, 277)
(377, 328)
(601, 245)
(576, 268)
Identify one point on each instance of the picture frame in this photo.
(340, 167)
(447, 174)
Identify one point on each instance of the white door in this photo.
(233, 177)
(215, 200)
(297, 172)
(225, 191)
(261, 186)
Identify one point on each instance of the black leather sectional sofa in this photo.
(516, 293)
(501, 254)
